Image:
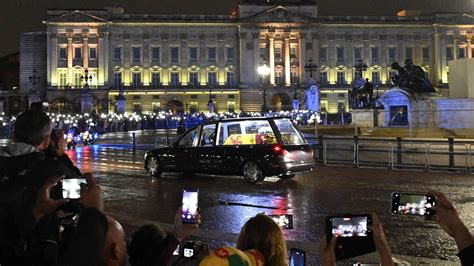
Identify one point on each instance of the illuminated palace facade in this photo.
(180, 62)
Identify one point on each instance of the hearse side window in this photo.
(255, 132)
(289, 134)
(188, 139)
(208, 135)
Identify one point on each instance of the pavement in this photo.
(135, 198)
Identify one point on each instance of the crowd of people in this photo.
(39, 227)
(113, 122)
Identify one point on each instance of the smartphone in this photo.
(348, 225)
(412, 204)
(190, 206)
(297, 257)
(285, 221)
(71, 187)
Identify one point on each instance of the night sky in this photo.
(18, 16)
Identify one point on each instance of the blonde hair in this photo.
(263, 234)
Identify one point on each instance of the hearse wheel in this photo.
(252, 172)
(152, 166)
(286, 176)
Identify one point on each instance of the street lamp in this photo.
(210, 103)
(86, 78)
(33, 79)
(310, 67)
(263, 70)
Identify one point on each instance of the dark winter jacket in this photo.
(467, 256)
(23, 171)
(88, 240)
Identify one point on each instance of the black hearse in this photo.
(252, 147)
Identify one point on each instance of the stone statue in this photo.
(361, 95)
(411, 78)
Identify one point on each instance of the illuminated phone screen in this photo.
(190, 206)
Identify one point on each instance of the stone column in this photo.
(271, 49)
(53, 78)
(70, 55)
(287, 60)
(468, 46)
(85, 51)
(102, 59)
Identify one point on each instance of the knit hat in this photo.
(229, 256)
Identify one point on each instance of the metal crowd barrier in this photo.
(432, 155)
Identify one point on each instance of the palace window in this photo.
(449, 53)
(136, 79)
(174, 54)
(426, 54)
(340, 55)
(376, 77)
(230, 78)
(230, 53)
(341, 77)
(293, 52)
(193, 107)
(62, 79)
(156, 107)
(263, 52)
(77, 79)
(231, 107)
(294, 77)
(92, 53)
(323, 77)
(278, 54)
(462, 52)
(323, 52)
(174, 78)
(391, 74)
(357, 74)
(193, 78)
(212, 78)
(357, 53)
(193, 51)
(136, 53)
(137, 108)
(279, 77)
(62, 53)
(374, 53)
(77, 53)
(392, 54)
(118, 79)
(155, 79)
(155, 53)
(211, 54)
(118, 53)
(409, 53)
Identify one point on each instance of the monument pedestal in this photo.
(86, 102)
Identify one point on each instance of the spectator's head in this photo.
(143, 246)
(115, 250)
(226, 256)
(263, 234)
(33, 127)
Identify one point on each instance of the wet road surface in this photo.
(132, 194)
